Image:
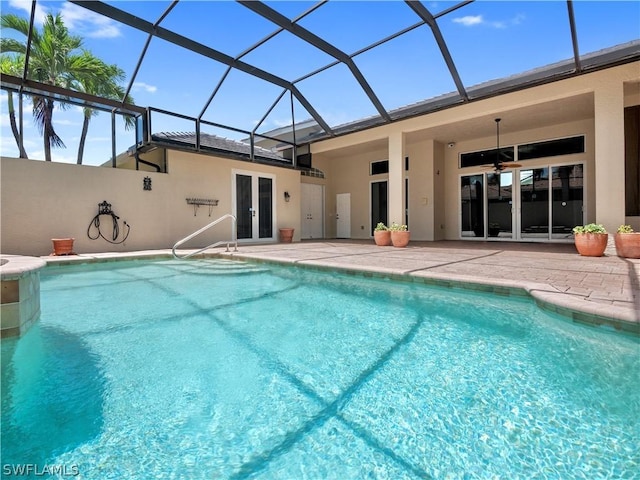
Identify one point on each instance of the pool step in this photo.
(221, 267)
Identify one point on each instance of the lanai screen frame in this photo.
(463, 94)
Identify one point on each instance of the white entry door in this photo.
(312, 210)
(343, 215)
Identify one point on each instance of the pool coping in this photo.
(544, 295)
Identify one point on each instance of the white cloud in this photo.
(144, 86)
(469, 20)
(9, 148)
(88, 23)
(57, 156)
(25, 5)
(281, 123)
(77, 19)
(62, 121)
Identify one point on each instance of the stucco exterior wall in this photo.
(434, 178)
(434, 174)
(349, 173)
(44, 200)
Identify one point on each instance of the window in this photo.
(551, 148)
(486, 157)
(378, 168)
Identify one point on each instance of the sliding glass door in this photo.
(500, 204)
(534, 203)
(543, 203)
(567, 199)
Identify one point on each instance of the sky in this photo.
(487, 40)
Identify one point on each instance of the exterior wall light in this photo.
(287, 197)
(146, 183)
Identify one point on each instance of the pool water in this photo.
(227, 370)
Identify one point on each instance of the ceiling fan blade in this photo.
(499, 167)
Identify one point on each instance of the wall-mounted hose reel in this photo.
(104, 208)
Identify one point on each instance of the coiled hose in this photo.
(116, 229)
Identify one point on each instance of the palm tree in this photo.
(13, 66)
(104, 84)
(56, 58)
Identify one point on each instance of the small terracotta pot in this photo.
(628, 244)
(286, 235)
(591, 244)
(382, 238)
(400, 239)
(62, 246)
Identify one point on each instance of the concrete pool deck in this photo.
(601, 291)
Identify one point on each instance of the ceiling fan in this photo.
(498, 165)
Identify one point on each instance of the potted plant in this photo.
(399, 235)
(590, 240)
(382, 235)
(62, 246)
(627, 242)
(286, 235)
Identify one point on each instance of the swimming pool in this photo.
(224, 369)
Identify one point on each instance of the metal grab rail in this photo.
(234, 240)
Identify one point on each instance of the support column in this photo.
(609, 155)
(396, 178)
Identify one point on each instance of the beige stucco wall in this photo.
(434, 179)
(44, 200)
(434, 175)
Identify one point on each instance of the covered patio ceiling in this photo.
(300, 53)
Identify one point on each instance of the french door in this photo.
(379, 204)
(542, 203)
(254, 205)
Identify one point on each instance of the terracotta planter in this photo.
(628, 244)
(286, 235)
(382, 238)
(400, 239)
(591, 244)
(62, 246)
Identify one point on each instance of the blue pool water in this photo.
(227, 370)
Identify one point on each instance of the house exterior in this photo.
(573, 146)
(434, 182)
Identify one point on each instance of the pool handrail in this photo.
(234, 238)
